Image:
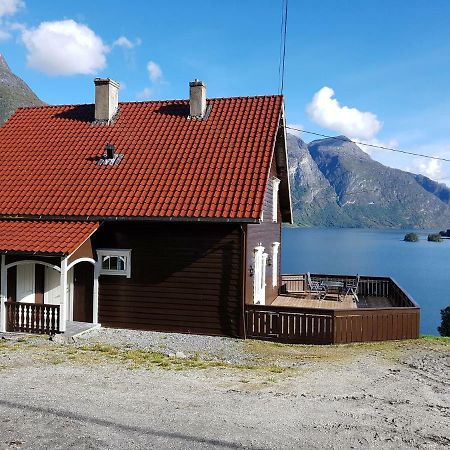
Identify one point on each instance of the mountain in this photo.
(335, 184)
(14, 92)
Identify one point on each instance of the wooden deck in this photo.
(331, 302)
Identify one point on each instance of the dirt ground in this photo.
(92, 395)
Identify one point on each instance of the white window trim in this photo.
(276, 185)
(275, 248)
(125, 253)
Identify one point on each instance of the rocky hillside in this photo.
(14, 92)
(335, 183)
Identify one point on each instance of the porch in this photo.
(384, 311)
(48, 279)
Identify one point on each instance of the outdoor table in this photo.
(335, 286)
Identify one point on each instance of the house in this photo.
(166, 215)
(159, 215)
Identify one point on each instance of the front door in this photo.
(83, 285)
(25, 283)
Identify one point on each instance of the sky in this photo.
(375, 71)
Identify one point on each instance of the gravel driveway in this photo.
(111, 390)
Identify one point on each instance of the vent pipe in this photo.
(110, 151)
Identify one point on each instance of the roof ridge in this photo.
(180, 100)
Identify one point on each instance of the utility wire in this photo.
(337, 138)
(281, 66)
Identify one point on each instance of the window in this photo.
(114, 262)
(275, 247)
(275, 185)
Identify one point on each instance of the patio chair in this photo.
(316, 287)
(351, 287)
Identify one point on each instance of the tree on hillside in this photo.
(444, 329)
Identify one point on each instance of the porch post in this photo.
(95, 294)
(3, 294)
(63, 287)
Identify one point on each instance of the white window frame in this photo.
(124, 253)
(275, 188)
(275, 248)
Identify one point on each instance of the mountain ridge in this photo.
(336, 184)
(14, 92)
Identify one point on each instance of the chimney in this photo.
(197, 99)
(106, 99)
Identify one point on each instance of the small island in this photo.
(411, 237)
(434, 238)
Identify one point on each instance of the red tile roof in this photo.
(44, 237)
(172, 166)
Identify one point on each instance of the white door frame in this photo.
(70, 294)
(259, 275)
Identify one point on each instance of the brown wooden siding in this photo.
(265, 233)
(184, 278)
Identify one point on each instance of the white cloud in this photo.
(154, 71)
(431, 168)
(64, 48)
(145, 94)
(124, 42)
(328, 113)
(10, 7)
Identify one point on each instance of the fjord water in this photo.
(421, 268)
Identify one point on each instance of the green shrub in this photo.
(411, 237)
(434, 238)
(444, 329)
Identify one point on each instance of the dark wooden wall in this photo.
(184, 278)
(264, 233)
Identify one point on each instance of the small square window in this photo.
(114, 262)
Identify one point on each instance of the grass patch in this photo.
(56, 354)
(264, 352)
(430, 338)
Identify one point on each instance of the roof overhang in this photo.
(46, 238)
(281, 158)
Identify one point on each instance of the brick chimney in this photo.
(106, 99)
(197, 99)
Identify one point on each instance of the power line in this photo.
(283, 32)
(337, 138)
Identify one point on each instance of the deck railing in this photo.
(289, 325)
(368, 287)
(333, 326)
(32, 318)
